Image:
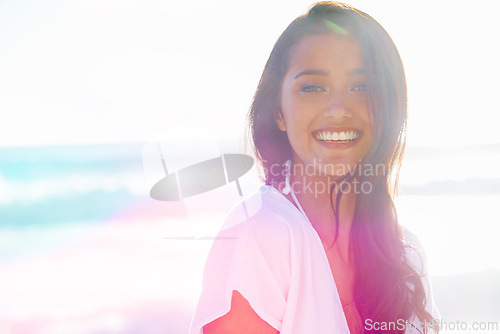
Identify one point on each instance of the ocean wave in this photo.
(14, 192)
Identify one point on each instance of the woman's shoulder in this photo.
(264, 212)
(414, 251)
(250, 255)
(416, 257)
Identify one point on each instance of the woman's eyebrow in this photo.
(311, 72)
(355, 71)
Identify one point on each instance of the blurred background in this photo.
(87, 89)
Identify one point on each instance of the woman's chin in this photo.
(336, 168)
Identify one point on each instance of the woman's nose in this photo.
(337, 107)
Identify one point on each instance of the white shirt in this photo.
(272, 255)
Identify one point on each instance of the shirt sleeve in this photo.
(253, 258)
(418, 260)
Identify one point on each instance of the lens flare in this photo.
(336, 28)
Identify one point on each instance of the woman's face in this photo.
(324, 104)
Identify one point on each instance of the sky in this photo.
(92, 71)
(121, 71)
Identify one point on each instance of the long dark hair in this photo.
(386, 287)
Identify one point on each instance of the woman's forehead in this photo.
(326, 51)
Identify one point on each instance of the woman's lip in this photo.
(342, 138)
(337, 134)
(338, 144)
(337, 129)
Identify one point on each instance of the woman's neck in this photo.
(313, 193)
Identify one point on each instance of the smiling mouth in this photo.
(338, 136)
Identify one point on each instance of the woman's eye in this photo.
(312, 89)
(359, 88)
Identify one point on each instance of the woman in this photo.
(319, 249)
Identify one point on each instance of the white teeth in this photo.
(337, 136)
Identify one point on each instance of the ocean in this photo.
(85, 249)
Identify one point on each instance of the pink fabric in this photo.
(272, 255)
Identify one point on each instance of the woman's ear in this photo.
(280, 121)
